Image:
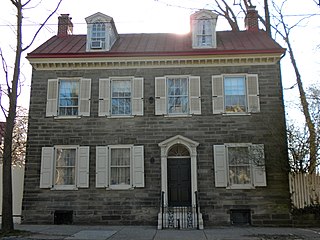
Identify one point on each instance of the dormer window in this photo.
(203, 28)
(205, 33)
(98, 35)
(101, 32)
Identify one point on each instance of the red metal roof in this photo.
(159, 44)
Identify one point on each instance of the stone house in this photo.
(161, 129)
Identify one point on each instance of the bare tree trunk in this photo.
(303, 99)
(7, 216)
(267, 17)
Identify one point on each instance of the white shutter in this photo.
(102, 166)
(253, 93)
(217, 94)
(137, 97)
(220, 166)
(104, 97)
(194, 95)
(47, 161)
(83, 167)
(138, 166)
(161, 96)
(84, 97)
(52, 98)
(258, 163)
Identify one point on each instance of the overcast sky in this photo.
(143, 16)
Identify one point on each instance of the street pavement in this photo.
(79, 232)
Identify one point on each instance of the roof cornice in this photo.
(153, 61)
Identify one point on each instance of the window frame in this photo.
(119, 79)
(103, 169)
(105, 97)
(250, 164)
(53, 97)
(174, 96)
(65, 186)
(59, 106)
(203, 32)
(243, 78)
(257, 168)
(162, 96)
(48, 167)
(120, 186)
(252, 96)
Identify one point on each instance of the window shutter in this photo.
(217, 94)
(102, 167)
(52, 98)
(137, 97)
(253, 93)
(83, 167)
(47, 160)
(138, 166)
(160, 95)
(220, 166)
(104, 97)
(258, 163)
(195, 95)
(85, 95)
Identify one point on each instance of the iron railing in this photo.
(180, 217)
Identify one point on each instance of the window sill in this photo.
(240, 187)
(119, 187)
(237, 114)
(64, 188)
(67, 117)
(177, 115)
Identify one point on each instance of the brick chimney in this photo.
(65, 25)
(251, 19)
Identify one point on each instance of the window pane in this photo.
(68, 97)
(98, 32)
(177, 95)
(121, 97)
(239, 165)
(120, 166)
(235, 94)
(65, 167)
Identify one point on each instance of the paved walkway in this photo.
(75, 232)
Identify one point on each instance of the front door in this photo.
(179, 182)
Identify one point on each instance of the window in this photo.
(64, 167)
(203, 29)
(101, 33)
(98, 35)
(234, 94)
(177, 95)
(239, 165)
(68, 97)
(121, 96)
(204, 36)
(119, 166)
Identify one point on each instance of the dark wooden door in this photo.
(179, 182)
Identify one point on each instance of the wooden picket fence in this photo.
(304, 189)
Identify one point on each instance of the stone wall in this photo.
(268, 205)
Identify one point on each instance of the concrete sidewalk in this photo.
(76, 232)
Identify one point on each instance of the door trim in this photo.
(192, 148)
